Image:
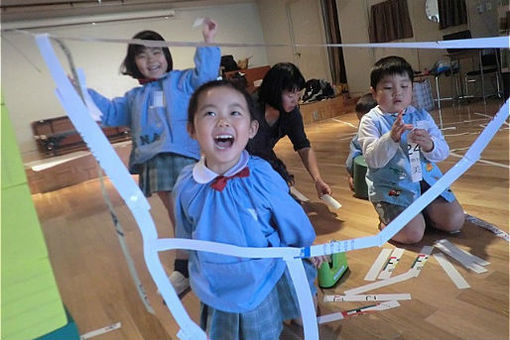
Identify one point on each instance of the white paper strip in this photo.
(378, 284)
(372, 297)
(391, 264)
(476, 43)
(452, 272)
(415, 270)
(329, 318)
(464, 259)
(378, 264)
(420, 260)
(486, 225)
(100, 331)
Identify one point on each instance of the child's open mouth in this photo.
(223, 141)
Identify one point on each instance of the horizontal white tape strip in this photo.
(450, 270)
(357, 311)
(378, 264)
(371, 297)
(474, 43)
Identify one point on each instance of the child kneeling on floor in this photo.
(401, 145)
(234, 198)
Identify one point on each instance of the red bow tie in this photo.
(220, 182)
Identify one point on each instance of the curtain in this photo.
(452, 13)
(335, 54)
(389, 20)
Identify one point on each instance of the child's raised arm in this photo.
(209, 29)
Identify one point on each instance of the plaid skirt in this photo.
(264, 322)
(161, 171)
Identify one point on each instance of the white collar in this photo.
(202, 174)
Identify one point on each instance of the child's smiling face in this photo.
(222, 126)
(393, 93)
(151, 62)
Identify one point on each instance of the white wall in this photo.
(27, 88)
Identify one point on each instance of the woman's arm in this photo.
(310, 162)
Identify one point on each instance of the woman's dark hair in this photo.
(389, 66)
(281, 77)
(193, 102)
(128, 66)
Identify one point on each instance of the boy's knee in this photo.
(453, 222)
(410, 235)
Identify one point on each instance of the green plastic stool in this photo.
(330, 272)
(358, 177)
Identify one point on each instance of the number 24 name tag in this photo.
(413, 150)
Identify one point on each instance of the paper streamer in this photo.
(357, 311)
(377, 265)
(474, 43)
(371, 297)
(415, 270)
(100, 331)
(391, 264)
(129, 191)
(450, 270)
(486, 225)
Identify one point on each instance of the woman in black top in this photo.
(279, 116)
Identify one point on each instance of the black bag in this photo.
(228, 63)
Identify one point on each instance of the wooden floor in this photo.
(96, 286)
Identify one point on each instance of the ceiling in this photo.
(19, 11)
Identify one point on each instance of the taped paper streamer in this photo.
(100, 331)
(475, 43)
(331, 202)
(129, 191)
(450, 270)
(486, 225)
(415, 270)
(357, 311)
(469, 261)
(392, 263)
(378, 264)
(372, 297)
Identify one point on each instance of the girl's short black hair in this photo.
(390, 66)
(128, 66)
(193, 102)
(281, 77)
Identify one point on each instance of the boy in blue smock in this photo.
(401, 145)
(234, 198)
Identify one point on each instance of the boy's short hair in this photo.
(365, 103)
(389, 66)
(193, 102)
(128, 66)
